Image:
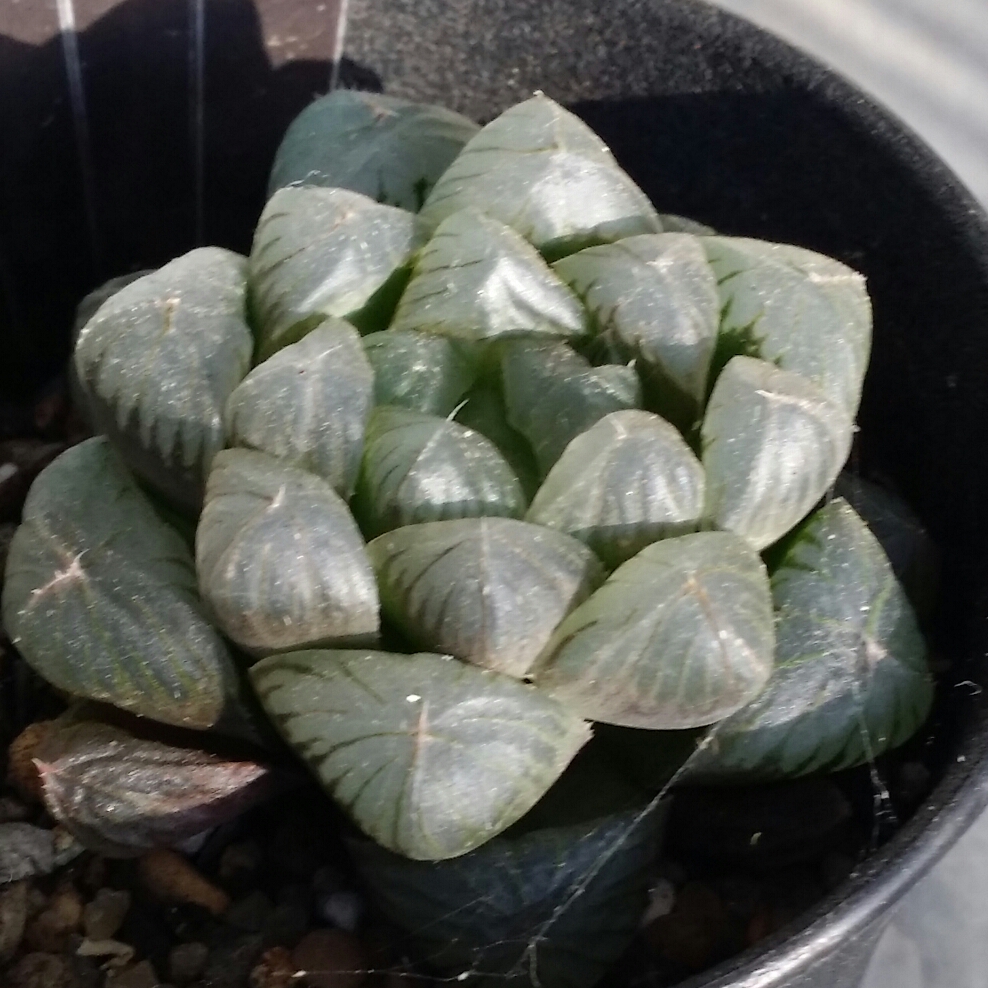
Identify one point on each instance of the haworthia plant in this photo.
(800, 310)
(541, 170)
(487, 590)
(420, 468)
(309, 404)
(679, 636)
(626, 482)
(653, 297)
(553, 394)
(406, 743)
(772, 446)
(326, 252)
(100, 596)
(280, 559)
(425, 373)
(387, 148)
(850, 679)
(478, 279)
(157, 363)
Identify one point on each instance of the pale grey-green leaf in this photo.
(414, 370)
(477, 279)
(674, 223)
(851, 679)
(280, 559)
(487, 590)
(100, 595)
(626, 482)
(430, 757)
(541, 170)
(158, 361)
(552, 394)
(309, 404)
(803, 311)
(420, 468)
(679, 636)
(387, 148)
(772, 446)
(323, 252)
(655, 297)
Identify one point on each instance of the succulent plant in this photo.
(479, 450)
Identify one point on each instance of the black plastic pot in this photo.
(152, 129)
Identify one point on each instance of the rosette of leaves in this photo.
(532, 459)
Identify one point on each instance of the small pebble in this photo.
(186, 962)
(52, 929)
(661, 898)
(229, 965)
(330, 959)
(171, 878)
(105, 914)
(287, 923)
(343, 910)
(239, 863)
(695, 933)
(13, 918)
(274, 970)
(117, 954)
(250, 913)
(40, 970)
(141, 975)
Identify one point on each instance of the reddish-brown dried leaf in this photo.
(122, 795)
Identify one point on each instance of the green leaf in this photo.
(553, 907)
(679, 636)
(478, 280)
(420, 468)
(326, 252)
(309, 404)
(100, 596)
(487, 590)
(483, 411)
(280, 559)
(807, 313)
(653, 297)
(428, 756)
(159, 360)
(413, 370)
(914, 557)
(541, 170)
(772, 446)
(552, 394)
(674, 223)
(851, 679)
(387, 148)
(626, 482)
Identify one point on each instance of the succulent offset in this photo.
(478, 450)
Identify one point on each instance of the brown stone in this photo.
(330, 959)
(105, 914)
(40, 970)
(170, 877)
(22, 773)
(52, 929)
(13, 918)
(695, 933)
(274, 970)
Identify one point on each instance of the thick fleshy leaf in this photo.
(100, 595)
(914, 557)
(477, 280)
(309, 404)
(326, 252)
(420, 468)
(851, 679)
(679, 636)
(482, 410)
(654, 298)
(487, 590)
(426, 373)
(553, 907)
(541, 170)
(802, 311)
(674, 223)
(626, 482)
(121, 795)
(772, 446)
(387, 148)
(552, 394)
(159, 360)
(280, 559)
(430, 757)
